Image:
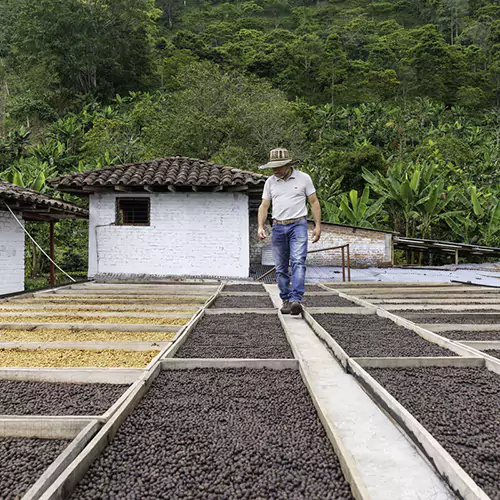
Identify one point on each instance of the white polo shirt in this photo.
(289, 197)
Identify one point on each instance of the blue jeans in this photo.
(289, 244)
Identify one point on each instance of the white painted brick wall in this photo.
(11, 254)
(190, 234)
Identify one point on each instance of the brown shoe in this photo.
(286, 308)
(296, 308)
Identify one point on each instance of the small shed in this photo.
(26, 205)
(174, 216)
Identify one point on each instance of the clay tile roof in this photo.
(176, 171)
(27, 200)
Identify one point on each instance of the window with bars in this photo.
(133, 211)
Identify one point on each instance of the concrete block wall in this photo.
(11, 254)
(367, 247)
(205, 234)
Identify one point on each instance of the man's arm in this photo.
(316, 212)
(262, 217)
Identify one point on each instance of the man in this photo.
(288, 189)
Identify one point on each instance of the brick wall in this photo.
(204, 234)
(11, 254)
(256, 244)
(367, 248)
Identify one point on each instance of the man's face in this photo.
(281, 172)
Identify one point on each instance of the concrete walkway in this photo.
(389, 465)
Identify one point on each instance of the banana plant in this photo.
(355, 210)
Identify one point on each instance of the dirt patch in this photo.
(24, 460)
(229, 434)
(246, 335)
(74, 357)
(47, 398)
(460, 407)
(373, 336)
(248, 287)
(327, 301)
(471, 319)
(243, 302)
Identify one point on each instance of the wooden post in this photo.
(456, 256)
(52, 280)
(348, 264)
(343, 264)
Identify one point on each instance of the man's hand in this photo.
(261, 233)
(316, 234)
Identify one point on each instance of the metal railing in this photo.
(345, 252)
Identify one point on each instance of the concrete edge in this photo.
(43, 426)
(415, 362)
(326, 338)
(458, 480)
(192, 363)
(87, 345)
(453, 308)
(460, 326)
(341, 310)
(481, 344)
(347, 462)
(73, 375)
(240, 310)
(62, 462)
(90, 314)
(115, 327)
(68, 480)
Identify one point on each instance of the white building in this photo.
(179, 216)
(26, 205)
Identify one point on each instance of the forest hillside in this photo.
(393, 106)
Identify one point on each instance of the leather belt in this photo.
(286, 222)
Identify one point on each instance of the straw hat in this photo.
(278, 158)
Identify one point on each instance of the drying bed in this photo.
(471, 335)
(327, 301)
(248, 287)
(247, 335)
(372, 336)
(406, 313)
(469, 319)
(460, 407)
(230, 433)
(49, 398)
(110, 299)
(23, 461)
(65, 335)
(53, 358)
(74, 318)
(110, 308)
(242, 301)
(493, 352)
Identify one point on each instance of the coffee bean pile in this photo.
(327, 301)
(460, 407)
(470, 319)
(470, 335)
(212, 433)
(243, 301)
(23, 461)
(247, 335)
(493, 352)
(245, 287)
(48, 398)
(373, 336)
